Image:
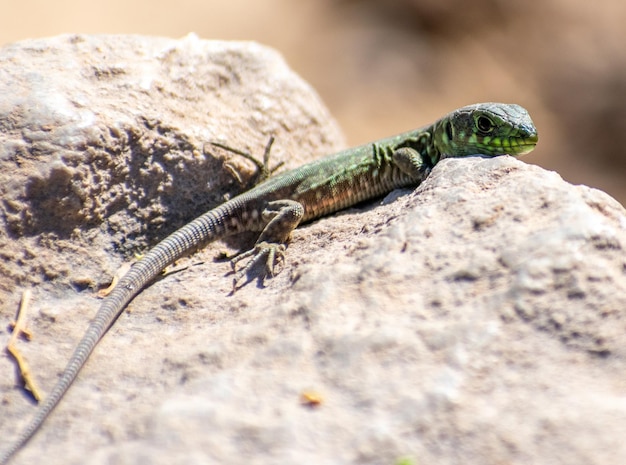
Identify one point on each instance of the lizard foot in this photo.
(264, 170)
(264, 254)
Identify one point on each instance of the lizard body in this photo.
(278, 205)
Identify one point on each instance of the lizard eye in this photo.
(484, 124)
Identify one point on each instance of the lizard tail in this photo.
(204, 229)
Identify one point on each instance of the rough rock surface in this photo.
(479, 319)
(104, 143)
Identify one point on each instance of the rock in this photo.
(479, 318)
(104, 143)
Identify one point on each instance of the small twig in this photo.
(18, 328)
(179, 268)
(121, 271)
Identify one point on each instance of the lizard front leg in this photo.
(281, 217)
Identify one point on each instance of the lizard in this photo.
(277, 205)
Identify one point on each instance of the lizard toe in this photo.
(263, 261)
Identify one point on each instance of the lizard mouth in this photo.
(520, 144)
(524, 148)
(525, 145)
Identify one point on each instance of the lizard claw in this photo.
(265, 254)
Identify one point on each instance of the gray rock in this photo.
(479, 319)
(103, 142)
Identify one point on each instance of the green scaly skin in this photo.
(278, 205)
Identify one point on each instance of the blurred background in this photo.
(385, 66)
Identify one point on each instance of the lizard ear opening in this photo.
(449, 130)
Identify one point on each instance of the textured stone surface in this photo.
(479, 319)
(103, 141)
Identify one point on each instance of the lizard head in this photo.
(485, 129)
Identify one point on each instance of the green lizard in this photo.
(278, 205)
